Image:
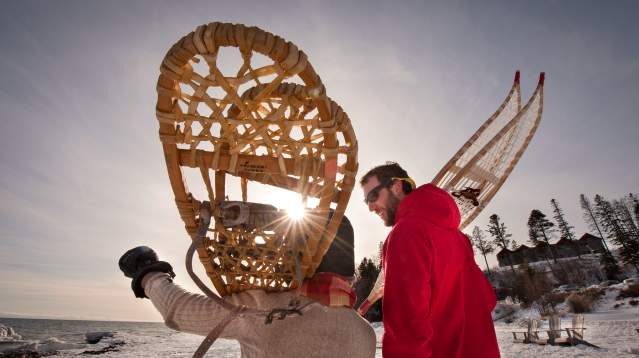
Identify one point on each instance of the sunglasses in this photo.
(373, 195)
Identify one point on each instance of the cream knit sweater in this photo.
(320, 332)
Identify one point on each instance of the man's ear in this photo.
(397, 189)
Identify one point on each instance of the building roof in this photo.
(562, 241)
(588, 236)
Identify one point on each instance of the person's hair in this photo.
(384, 174)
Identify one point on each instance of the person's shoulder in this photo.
(408, 238)
(411, 223)
(408, 228)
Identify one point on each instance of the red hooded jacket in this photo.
(437, 302)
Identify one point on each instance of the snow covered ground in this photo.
(615, 332)
(612, 329)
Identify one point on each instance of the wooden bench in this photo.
(565, 336)
(555, 335)
(528, 336)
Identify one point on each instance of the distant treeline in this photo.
(365, 278)
(615, 221)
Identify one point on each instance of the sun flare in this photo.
(295, 210)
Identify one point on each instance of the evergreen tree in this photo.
(535, 236)
(500, 237)
(634, 205)
(540, 228)
(566, 231)
(366, 276)
(591, 220)
(610, 266)
(614, 228)
(623, 212)
(484, 246)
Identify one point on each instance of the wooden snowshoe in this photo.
(237, 104)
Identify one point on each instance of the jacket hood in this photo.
(430, 203)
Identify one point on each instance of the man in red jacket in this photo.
(437, 302)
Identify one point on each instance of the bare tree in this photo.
(484, 246)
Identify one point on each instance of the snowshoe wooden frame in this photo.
(251, 124)
(486, 160)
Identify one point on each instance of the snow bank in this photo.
(50, 345)
(9, 339)
(12, 345)
(7, 334)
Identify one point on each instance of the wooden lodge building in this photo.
(564, 248)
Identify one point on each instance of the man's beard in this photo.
(392, 203)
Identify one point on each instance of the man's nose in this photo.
(371, 206)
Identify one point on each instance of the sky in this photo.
(82, 171)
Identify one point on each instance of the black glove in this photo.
(139, 261)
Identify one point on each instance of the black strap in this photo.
(216, 332)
